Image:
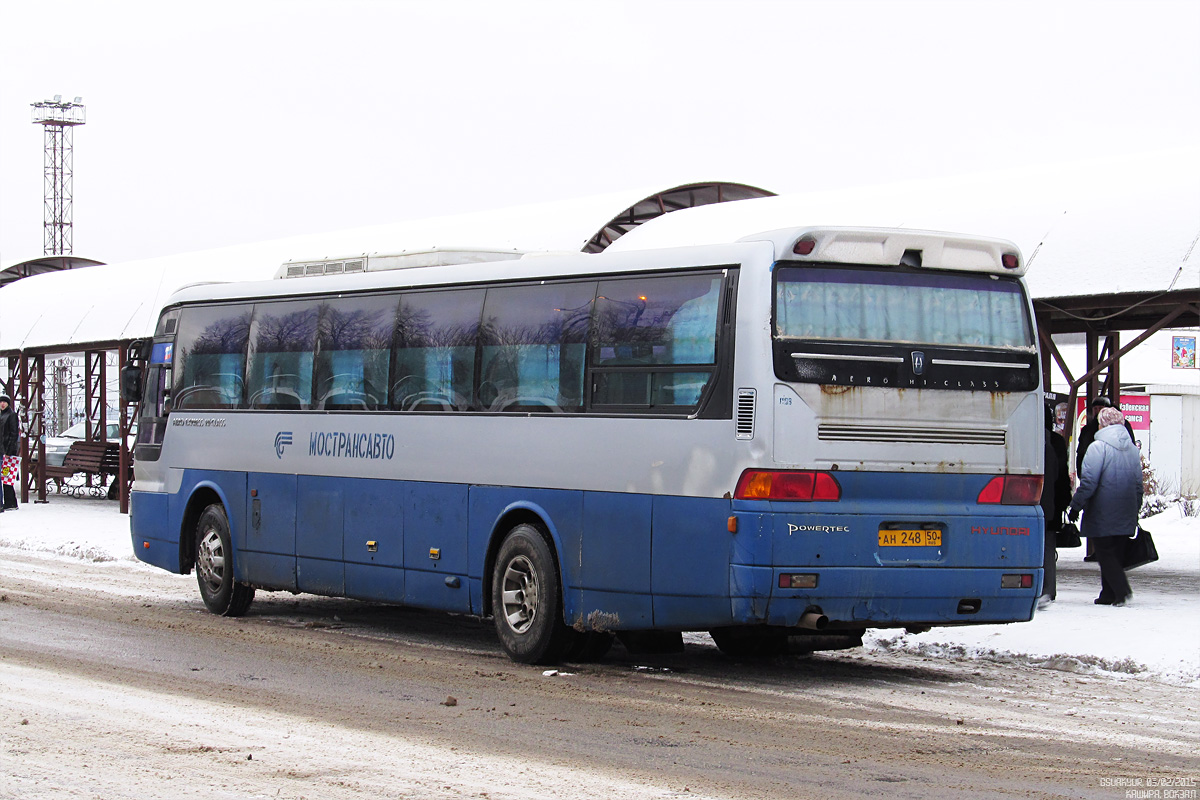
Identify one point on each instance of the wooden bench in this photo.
(112, 466)
(102, 459)
(86, 457)
(111, 463)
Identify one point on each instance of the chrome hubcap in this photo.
(519, 594)
(210, 560)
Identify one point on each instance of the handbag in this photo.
(8, 470)
(1067, 536)
(1139, 550)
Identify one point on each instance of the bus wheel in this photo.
(749, 642)
(214, 566)
(527, 599)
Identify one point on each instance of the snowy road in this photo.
(118, 685)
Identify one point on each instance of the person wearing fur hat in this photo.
(10, 438)
(1110, 495)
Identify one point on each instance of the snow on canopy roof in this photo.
(117, 302)
(1104, 227)
(1090, 228)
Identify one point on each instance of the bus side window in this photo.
(354, 343)
(655, 341)
(533, 342)
(279, 374)
(434, 358)
(210, 355)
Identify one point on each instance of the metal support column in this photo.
(128, 413)
(93, 405)
(1093, 383)
(32, 409)
(1114, 369)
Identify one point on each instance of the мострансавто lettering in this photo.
(340, 444)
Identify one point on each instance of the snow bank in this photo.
(82, 528)
(1157, 637)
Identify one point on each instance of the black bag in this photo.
(1067, 536)
(1139, 550)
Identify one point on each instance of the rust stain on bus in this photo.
(599, 621)
(842, 401)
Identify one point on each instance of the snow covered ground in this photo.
(1157, 637)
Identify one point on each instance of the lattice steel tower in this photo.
(59, 119)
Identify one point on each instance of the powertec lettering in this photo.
(340, 444)
(818, 528)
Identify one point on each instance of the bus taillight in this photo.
(1019, 581)
(1012, 490)
(758, 484)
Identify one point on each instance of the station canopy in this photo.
(41, 266)
(1105, 240)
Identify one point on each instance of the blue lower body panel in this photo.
(149, 527)
(871, 597)
(626, 561)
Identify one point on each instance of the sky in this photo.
(219, 123)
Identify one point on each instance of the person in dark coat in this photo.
(1056, 496)
(10, 439)
(1110, 495)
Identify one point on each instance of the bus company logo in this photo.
(282, 440)
(918, 362)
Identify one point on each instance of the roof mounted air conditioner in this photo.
(408, 259)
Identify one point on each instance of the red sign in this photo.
(1135, 407)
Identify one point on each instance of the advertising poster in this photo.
(1183, 352)
(1135, 407)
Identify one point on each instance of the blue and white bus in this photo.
(808, 432)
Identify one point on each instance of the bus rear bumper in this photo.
(871, 597)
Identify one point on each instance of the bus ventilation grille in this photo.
(883, 433)
(745, 413)
(325, 268)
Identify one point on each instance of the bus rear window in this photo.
(861, 305)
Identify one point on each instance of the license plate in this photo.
(914, 538)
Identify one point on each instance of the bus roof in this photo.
(873, 246)
(529, 267)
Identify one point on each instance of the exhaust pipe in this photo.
(813, 621)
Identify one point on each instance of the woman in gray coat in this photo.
(1110, 495)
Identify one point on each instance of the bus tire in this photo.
(527, 599)
(214, 565)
